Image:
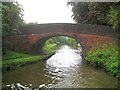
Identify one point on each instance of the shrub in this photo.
(105, 57)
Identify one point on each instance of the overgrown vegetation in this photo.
(54, 43)
(13, 60)
(49, 47)
(114, 17)
(105, 57)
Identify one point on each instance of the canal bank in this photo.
(65, 69)
(14, 60)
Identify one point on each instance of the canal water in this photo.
(65, 69)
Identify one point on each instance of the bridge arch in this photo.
(37, 47)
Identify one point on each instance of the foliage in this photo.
(91, 12)
(11, 19)
(60, 39)
(80, 11)
(105, 57)
(63, 40)
(53, 43)
(114, 17)
(71, 42)
(49, 48)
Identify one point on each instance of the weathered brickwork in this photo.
(33, 37)
(32, 43)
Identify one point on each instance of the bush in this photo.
(105, 57)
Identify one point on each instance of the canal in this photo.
(65, 69)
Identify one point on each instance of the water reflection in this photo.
(65, 58)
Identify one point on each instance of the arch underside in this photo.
(37, 46)
(87, 41)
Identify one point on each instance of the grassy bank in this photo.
(13, 55)
(12, 60)
(105, 57)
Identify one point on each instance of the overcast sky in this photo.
(46, 11)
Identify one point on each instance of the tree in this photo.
(114, 17)
(91, 13)
(80, 11)
(11, 19)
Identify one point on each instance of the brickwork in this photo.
(33, 37)
(32, 44)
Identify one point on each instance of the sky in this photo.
(46, 11)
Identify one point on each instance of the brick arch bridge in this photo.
(32, 37)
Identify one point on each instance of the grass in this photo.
(105, 57)
(24, 59)
(13, 60)
(12, 55)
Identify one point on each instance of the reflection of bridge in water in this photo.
(33, 37)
